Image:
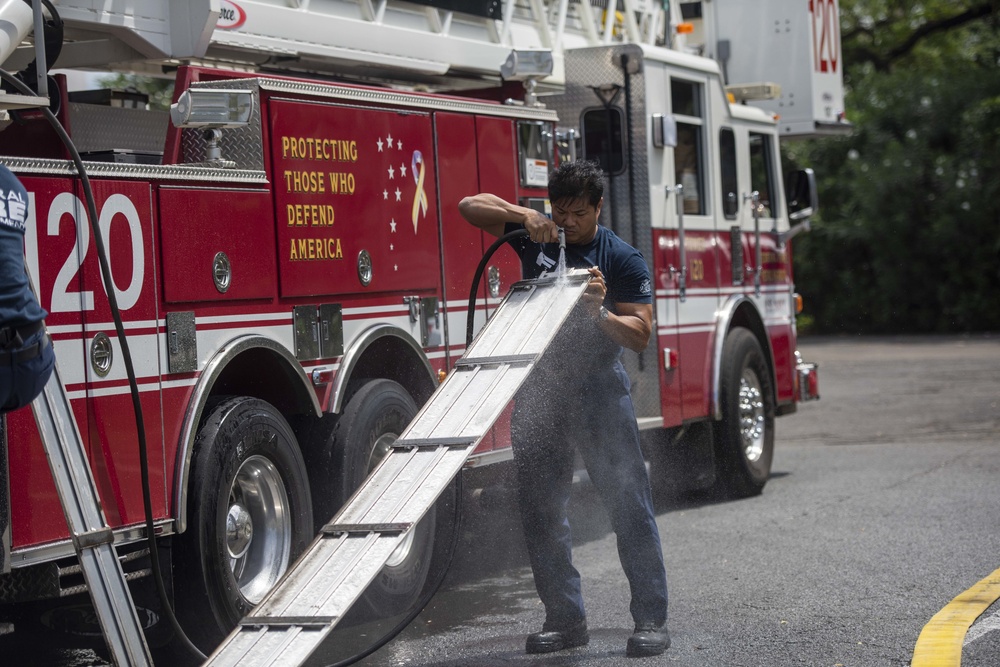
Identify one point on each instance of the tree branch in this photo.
(932, 27)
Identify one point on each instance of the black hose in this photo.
(126, 359)
(479, 274)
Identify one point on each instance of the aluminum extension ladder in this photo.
(305, 606)
(92, 538)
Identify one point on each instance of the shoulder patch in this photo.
(645, 288)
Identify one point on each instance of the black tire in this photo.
(744, 438)
(680, 461)
(248, 472)
(347, 449)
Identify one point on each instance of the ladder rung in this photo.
(288, 621)
(383, 528)
(423, 443)
(93, 538)
(496, 361)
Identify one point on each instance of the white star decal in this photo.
(392, 173)
(399, 144)
(385, 194)
(379, 142)
(388, 140)
(392, 246)
(392, 226)
(395, 267)
(398, 195)
(402, 170)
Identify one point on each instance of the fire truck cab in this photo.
(292, 273)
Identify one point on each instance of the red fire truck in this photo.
(292, 272)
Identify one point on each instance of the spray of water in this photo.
(561, 266)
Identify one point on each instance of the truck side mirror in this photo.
(664, 131)
(800, 190)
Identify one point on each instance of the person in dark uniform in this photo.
(578, 398)
(26, 355)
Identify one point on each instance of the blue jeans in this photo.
(22, 381)
(596, 418)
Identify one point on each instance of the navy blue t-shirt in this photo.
(18, 306)
(583, 348)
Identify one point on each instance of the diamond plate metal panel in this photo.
(182, 342)
(242, 145)
(626, 208)
(101, 128)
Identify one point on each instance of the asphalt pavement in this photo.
(883, 506)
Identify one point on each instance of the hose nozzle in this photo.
(562, 238)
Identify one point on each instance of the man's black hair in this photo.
(577, 180)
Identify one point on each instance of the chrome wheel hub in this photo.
(258, 528)
(382, 447)
(751, 415)
(239, 531)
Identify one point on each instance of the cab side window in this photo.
(727, 165)
(689, 161)
(762, 161)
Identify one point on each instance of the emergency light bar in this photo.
(755, 91)
(525, 64)
(212, 108)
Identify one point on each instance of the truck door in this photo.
(125, 217)
(692, 159)
(462, 244)
(771, 276)
(498, 174)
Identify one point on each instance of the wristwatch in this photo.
(604, 313)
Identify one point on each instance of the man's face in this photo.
(578, 218)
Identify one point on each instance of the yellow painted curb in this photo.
(940, 642)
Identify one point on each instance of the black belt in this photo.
(9, 335)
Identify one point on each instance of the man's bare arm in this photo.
(631, 326)
(490, 213)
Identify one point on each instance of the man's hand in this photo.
(540, 228)
(630, 327)
(597, 289)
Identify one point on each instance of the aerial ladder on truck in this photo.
(413, 44)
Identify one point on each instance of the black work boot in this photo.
(648, 639)
(549, 639)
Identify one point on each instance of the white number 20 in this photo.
(64, 299)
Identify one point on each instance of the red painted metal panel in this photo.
(665, 257)
(198, 223)
(462, 243)
(498, 174)
(61, 251)
(348, 181)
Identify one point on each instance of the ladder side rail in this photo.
(92, 538)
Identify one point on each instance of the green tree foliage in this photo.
(908, 236)
(160, 91)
